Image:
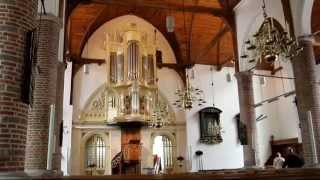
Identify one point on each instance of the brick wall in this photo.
(308, 97)
(247, 115)
(45, 94)
(16, 18)
(59, 110)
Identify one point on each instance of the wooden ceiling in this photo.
(203, 28)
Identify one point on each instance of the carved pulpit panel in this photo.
(131, 146)
(210, 128)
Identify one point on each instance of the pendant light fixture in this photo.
(170, 23)
(271, 43)
(86, 66)
(189, 96)
(212, 85)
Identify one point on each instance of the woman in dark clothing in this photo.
(293, 160)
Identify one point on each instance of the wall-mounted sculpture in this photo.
(210, 127)
(242, 131)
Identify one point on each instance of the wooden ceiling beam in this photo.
(213, 42)
(82, 61)
(190, 35)
(172, 66)
(288, 15)
(226, 63)
(218, 46)
(165, 6)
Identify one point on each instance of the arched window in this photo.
(163, 154)
(95, 152)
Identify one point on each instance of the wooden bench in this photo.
(302, 173)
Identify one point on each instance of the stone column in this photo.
(59, 115)
(307, 86)
(17, 17)
(44, 94)
(247, 116)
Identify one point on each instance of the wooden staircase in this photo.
(116, 163)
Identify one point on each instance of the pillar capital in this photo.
(243, 74)
(306, 39)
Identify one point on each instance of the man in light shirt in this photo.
(278, 161)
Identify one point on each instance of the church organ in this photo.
(131, 75)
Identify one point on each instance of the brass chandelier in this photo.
(160, 116)
(188, 96)
(271, 42)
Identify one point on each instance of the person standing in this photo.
(293, 160)
(278, 161)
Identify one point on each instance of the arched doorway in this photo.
(163, 153)
(95, 155)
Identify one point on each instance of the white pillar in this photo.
(51, 137)
(312, 139)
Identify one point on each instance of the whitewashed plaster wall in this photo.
(67, 121)
(229, 153)
(86, 84)
(51, 6)
(282, 121)
(301, 12)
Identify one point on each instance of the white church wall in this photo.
(268, 126)
(51, 6)
(287, 110)
(86, 83)
(282, 118)
(75, 167)
(229, 153)
(67, 122)
(301, 15)
(169, 81)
